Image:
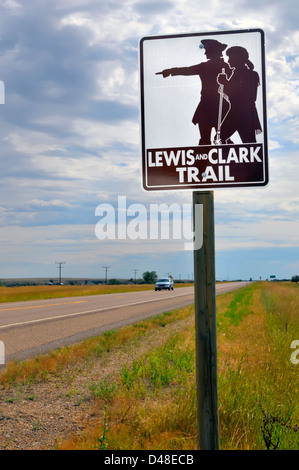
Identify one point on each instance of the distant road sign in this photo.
(203, 110)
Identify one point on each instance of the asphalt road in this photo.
(37, 327)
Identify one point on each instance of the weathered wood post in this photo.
(205, 327)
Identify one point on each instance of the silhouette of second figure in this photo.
(241, 88)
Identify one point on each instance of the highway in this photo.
(36, 327)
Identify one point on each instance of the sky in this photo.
(70, 140)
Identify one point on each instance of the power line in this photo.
(60, 267)
(106, 270)
(135, 271)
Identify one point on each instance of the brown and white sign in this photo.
(203, 110)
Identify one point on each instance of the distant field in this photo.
(135, 386)
(14, 294)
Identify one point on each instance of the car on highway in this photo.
(163, 284)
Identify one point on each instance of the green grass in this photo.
(104, 389)
(258, 384)
(237, 309)
(162, 367)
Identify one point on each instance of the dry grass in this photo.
(14, 294)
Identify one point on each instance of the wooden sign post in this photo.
(205, 327)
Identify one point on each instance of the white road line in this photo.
(39, 320)
(57, 317)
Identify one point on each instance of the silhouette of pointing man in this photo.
(206, 113)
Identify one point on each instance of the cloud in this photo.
(263, 233)
(70, 131)
(52, 203)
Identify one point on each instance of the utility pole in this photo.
(135, 271)
(60, 267)
(106, 270)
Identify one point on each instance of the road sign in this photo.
(203, 110)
